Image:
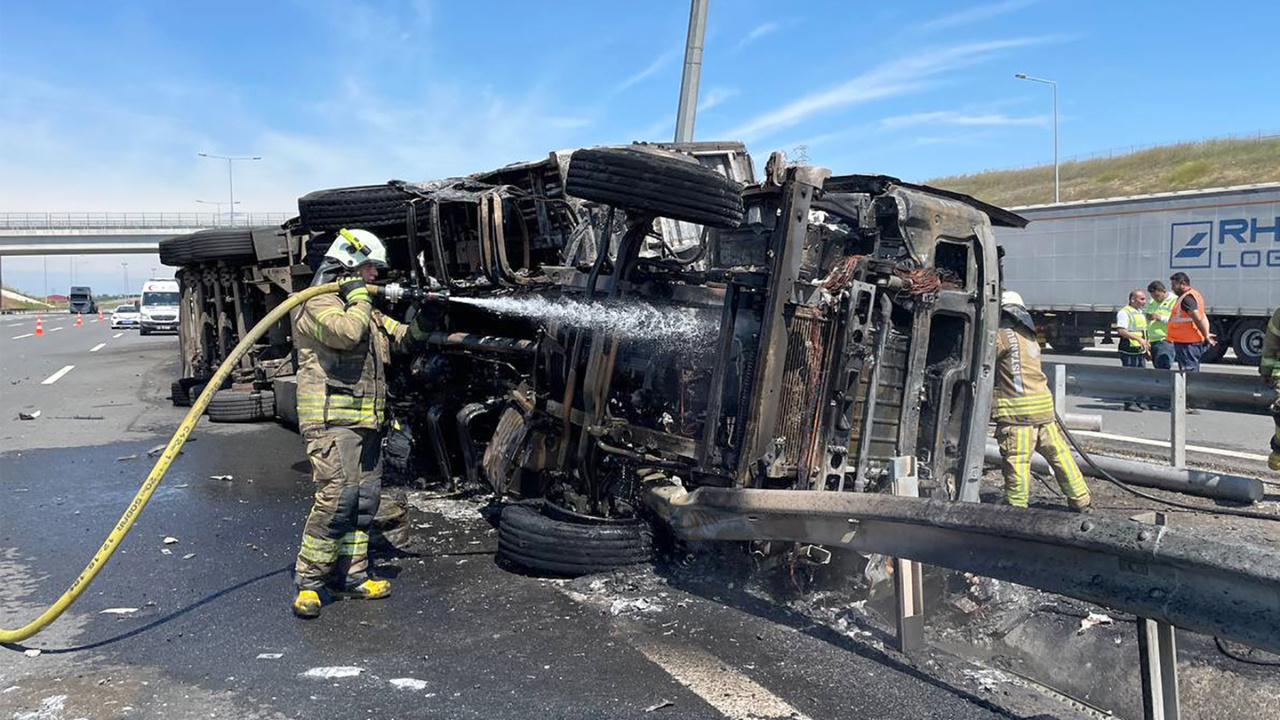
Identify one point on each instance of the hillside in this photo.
(13, 300)
(1189, 166)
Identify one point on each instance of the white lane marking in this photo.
(19, 337)
(1165, 444)
(55, 329)
(97, 347)
(733, 694)
(58, 375)
(113, 337)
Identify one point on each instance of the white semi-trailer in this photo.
(1076, 262)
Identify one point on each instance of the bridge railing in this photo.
(133, 220)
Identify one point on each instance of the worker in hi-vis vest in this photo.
(1024, 414)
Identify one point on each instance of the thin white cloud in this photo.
(756, 33)
(896, 77)
(649, 71)
(957, 117)
(715, 96)
(973, 14)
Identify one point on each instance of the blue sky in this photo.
(104, 105)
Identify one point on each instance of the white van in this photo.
(159, 306)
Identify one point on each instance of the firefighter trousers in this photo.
(1018, 443)
(346, 466)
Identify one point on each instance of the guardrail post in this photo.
(1158, 656)
(908, 581)
(1178, 420)
(1060, 389)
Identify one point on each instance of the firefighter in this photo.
(1269, 368)
(343, 347)
(1024, 414)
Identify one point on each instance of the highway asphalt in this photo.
(199, 625)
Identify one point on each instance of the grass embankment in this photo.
(1190, 166)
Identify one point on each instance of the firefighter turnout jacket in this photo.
(1022, 394)
(343, 350)
(1271, 348)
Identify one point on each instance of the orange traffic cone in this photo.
(99, 316)
(39, 326)
(79, 320)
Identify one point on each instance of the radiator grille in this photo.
(808, 344)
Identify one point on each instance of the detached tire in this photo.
(531, 539)
(354, 207)
(232, 406)
(178, 395)
(175, 251)
(667, 184)
(221, 244)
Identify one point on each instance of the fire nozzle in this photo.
(395, 292)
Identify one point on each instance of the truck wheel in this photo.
(175, 251)
(529, 538)
(242, 406)
(354, 207)
(664, 183)
(221, 244)
(1247, 340)
(1067, 346)
(178, 395)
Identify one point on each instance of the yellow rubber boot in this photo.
(307, 604)
(1273, 461)
(367, 590)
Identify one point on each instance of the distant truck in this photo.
(80, 300)
(1076, 262)
(158, 308)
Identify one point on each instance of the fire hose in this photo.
(392, 293)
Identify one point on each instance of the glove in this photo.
(427, 318)
(352, 290)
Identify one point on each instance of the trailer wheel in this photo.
(221, 244)
(175, 251)
(529, 538)
(664, 183)
(1247, 340)
(241, 406)
(354, 207)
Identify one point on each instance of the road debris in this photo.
(332, 672)
(659, 705)
(188, 556)
(128, 457)
(170, 540)
(644, 605)
(1093, 620)
(224, 478)
(28, 416)
(409, 683)
(155, 451)
(118, 611)
(269, 656)
(33, 652)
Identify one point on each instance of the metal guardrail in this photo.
(1194, 581)
(133, 220)
(1210, 391)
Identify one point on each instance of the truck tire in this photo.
(528, 537)
(666, 184)
(1247, 340)
(175, 251)
(221, 244)
(178, 395)
(354, 207)
(242, 406)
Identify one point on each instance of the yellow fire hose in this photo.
(149, 486)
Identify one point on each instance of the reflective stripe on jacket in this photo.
(1158, 329)
(1182, 327)
(1138, 326)
(1022, 394)
(342, 354)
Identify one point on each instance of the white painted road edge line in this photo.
(55, 329)
(1165, 444)
(58, 375)
(735, 695)
(19, 337)
(97, 347)
(113, 337)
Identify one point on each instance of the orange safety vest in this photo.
(1182, 327)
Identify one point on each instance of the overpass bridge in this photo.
(103, 233)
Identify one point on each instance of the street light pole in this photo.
(1057, 197)
(217, 204)
(125, 266)
(687, 108)
(231, 182)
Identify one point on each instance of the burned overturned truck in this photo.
(626, 317)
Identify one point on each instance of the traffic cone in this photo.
(79, 320)
(39, 326)
(99, 316)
